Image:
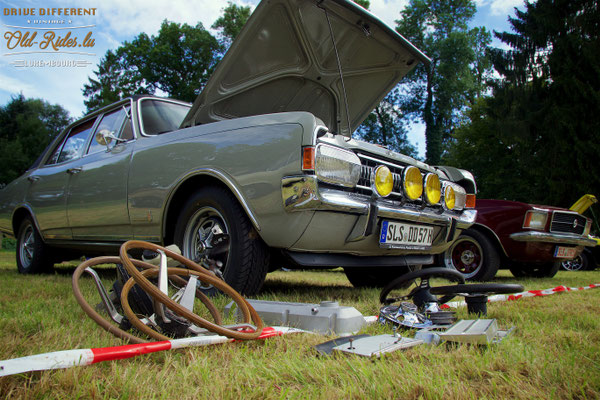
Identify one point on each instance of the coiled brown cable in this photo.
(248, 313)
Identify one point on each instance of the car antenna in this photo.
(339, 65)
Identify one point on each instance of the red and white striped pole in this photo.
(73, 358)
(528, 293)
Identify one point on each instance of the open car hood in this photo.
(284, 60)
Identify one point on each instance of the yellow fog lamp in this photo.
(449, 197)
(412, 183)
(433, 189)
(383, 181)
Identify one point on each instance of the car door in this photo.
(47, 194)
(97, 199)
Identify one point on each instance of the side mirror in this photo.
(105, 137)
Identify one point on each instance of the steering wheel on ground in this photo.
(415, 285)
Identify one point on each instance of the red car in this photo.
(530, 240)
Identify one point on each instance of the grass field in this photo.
(554, 351)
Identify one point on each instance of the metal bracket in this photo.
(108, 304)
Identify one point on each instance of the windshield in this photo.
(161, 116)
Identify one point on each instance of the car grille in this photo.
(563, 222)
(367, 169)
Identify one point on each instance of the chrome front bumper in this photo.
(301, 193)
(558, 238)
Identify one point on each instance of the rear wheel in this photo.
(579, 263)
(33, 256)
(213, 226)
(376, 276)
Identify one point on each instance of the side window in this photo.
(71, 147)
(162, 116)
(118, 123)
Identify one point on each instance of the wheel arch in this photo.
(19, 214)
(190, 184)
(491, 235)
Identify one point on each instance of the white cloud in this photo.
(388, 10)
(129, 18)
(500, 7)
(14, 85)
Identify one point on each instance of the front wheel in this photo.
(473, 255)
(33, 256)
(213, 227)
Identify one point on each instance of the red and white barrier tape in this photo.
(529, 293)
(73, 358)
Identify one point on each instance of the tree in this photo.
(231, 23)
(385, 126)
(437, 95)
(26, 127)
(114, 82)
(177, 61)
(538, 138)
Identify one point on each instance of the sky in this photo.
(58, 76)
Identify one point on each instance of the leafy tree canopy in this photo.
(538, 138)
(177, 61)
(438, 94)
(26, 127)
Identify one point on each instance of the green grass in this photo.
(554, 352)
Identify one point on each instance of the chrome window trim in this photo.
(64, 138)
(93, 136)
(139, 111)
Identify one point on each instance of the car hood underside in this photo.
(284, 59)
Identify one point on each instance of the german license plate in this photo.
(405, 234)
(564, 252)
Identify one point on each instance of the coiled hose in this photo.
(249, 315)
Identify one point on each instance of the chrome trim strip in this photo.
(223, 178)
(301, 193)
(553, 238)
(315, 136)
(398, 166)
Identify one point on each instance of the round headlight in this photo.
(449, 197)
(383, 181)
(413, 183)
(433, 189)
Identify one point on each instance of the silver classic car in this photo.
(260, 172)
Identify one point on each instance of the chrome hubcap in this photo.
(26, 250)
(467, 257)
(206, 238)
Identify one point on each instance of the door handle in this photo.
(33, 178)
(75, 170)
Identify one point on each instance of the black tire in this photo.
(544, 270)
(473, 255)
(33, 255)
(245, 257)
(375, 277)
(579, 263)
